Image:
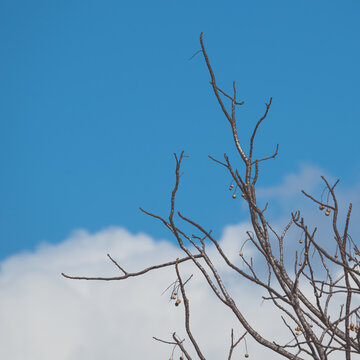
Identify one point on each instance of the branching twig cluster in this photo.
(314, 330)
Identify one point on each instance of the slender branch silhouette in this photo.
(314, 330)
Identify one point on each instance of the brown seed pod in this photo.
(321, 207)
(234, 196)
(327, 212)
(300, 263)
(231, 187)
(300, 241)
(246, 355)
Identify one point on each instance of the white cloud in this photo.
(307, 179)
(43, 315)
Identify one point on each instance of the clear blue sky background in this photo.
(95, 96)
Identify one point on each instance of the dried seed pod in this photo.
(327, 212)
(300, 241)
(321, 207)
(246, 355)
(234, 196)
(231, 187)
(300, 263)
(243, 195)
(178, 301)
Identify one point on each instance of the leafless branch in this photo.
(314, 329)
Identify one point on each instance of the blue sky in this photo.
(97, 96)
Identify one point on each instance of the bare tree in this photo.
(315, 331)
